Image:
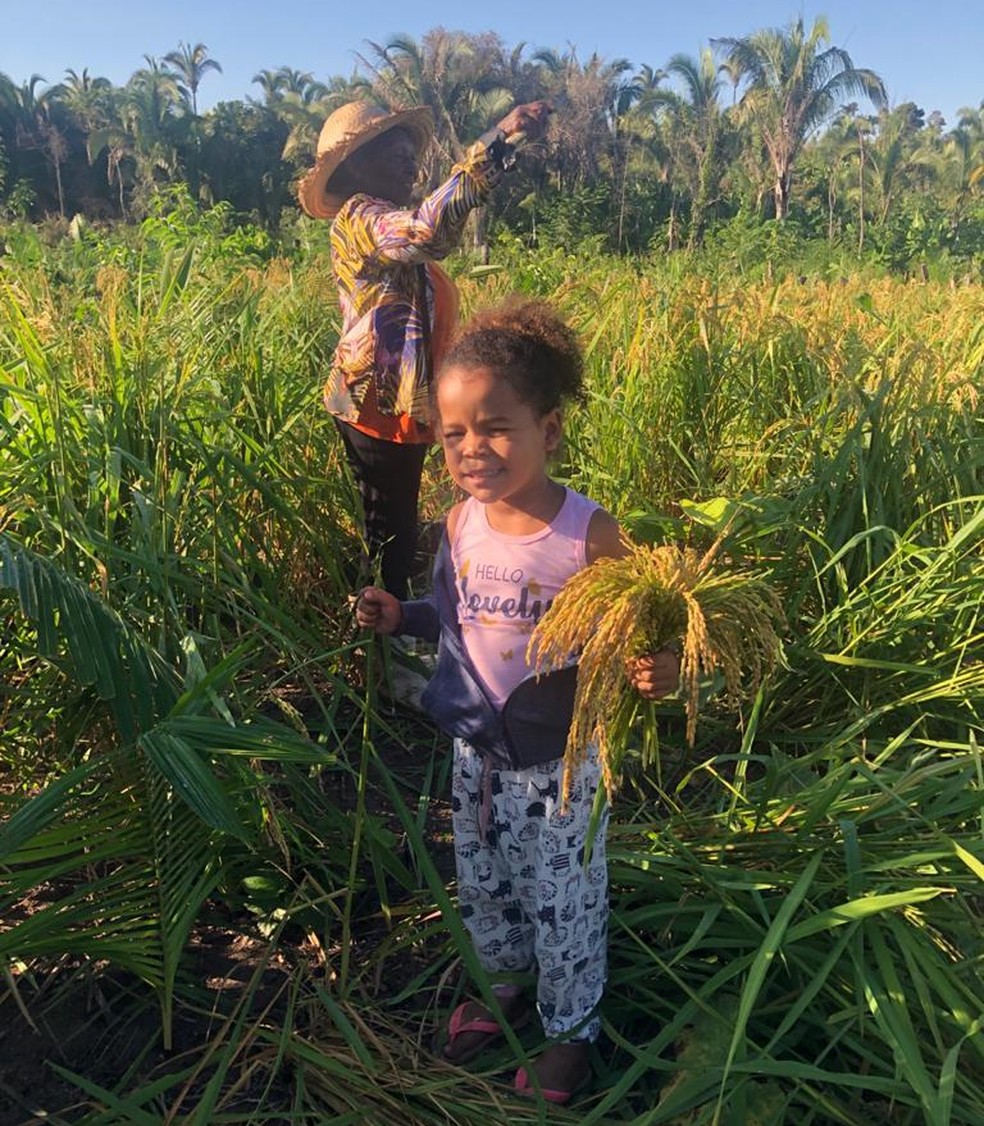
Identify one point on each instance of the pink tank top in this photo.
(506, 583)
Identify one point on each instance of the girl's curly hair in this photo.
(527, 344)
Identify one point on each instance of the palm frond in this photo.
(102, 651)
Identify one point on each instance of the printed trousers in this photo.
(527, 899)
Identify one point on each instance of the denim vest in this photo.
(533, 724)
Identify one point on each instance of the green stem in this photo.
(360, 815)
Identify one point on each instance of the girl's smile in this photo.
(496, 446)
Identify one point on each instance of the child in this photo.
(526, 896)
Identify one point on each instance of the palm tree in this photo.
(828, 167)
(302, 107)
(793, 88)
(88, 103)
(591, 100)
(695, 128)
(160, 86)
(271, 82)
(38, 125)
(634, 134)
(451, 72)
(731, 71)
(301, 103)
(86, 98)
(125, 810)
(863, 129)
(289, 80)
(520, 75)
(139, 131)
(966, 148)
(190, 65)
(901, 161)
(53, 138)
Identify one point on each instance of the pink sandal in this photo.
(487, 1024)
(528, 1091)
(581, 1076)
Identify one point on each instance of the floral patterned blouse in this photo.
(382, 259)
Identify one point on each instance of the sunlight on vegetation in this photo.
(225, 871)
(191, 738)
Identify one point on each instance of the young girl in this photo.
(527, 898)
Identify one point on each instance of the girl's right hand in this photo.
(378, 610)
(654, 675)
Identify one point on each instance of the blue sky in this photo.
(929, 53)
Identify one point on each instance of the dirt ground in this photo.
(99, 1025)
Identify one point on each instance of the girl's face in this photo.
(495, 444)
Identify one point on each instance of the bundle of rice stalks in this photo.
(639, 603)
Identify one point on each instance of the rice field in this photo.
(190, 722)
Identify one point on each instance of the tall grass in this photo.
(796, 901)
(174, 524)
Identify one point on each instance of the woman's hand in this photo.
(655, 674)
(529, 119)
(378, 610)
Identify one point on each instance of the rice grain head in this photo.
(620, 608)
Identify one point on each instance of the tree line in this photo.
(778, 124)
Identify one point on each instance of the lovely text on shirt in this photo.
(526, 606)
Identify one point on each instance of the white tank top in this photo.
(506, 583)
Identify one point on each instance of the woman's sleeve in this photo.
(432, 229)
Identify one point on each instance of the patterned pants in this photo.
(526, 897)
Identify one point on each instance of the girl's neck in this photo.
(528, 514)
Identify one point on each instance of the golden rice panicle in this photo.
(697, 654)
(595, 615)
(621, 608)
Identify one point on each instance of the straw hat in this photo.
(346, 130)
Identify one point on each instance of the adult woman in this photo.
(398, 307)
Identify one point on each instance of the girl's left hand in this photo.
(378, 610)
(655, 674)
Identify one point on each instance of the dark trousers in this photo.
(388, 478)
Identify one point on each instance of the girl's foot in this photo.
(472, 1027)
(562, 1069)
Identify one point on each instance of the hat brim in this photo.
(312, 191)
